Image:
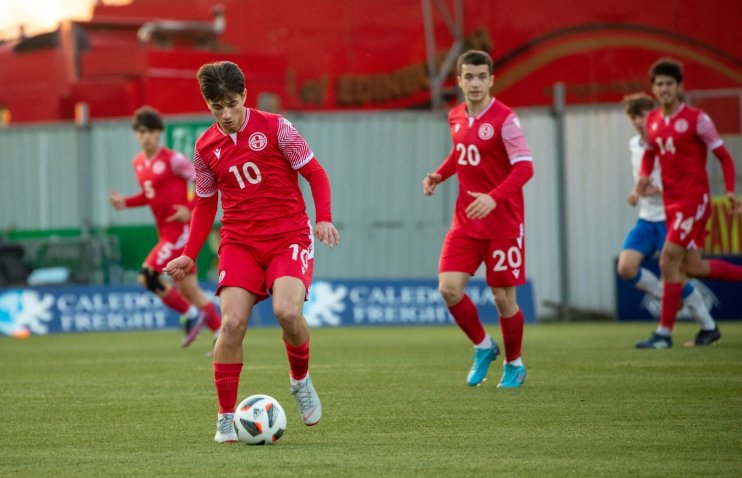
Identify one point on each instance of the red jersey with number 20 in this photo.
(485, 148)
(255, 170)
(164, 181)
(681, 142)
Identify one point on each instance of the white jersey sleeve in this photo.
(292, 144)
(205, 178)
(651, 208)
(514, 140)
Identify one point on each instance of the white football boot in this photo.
(307, 400)
(225, 432)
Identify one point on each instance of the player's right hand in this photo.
(117, 200)
(429, 183)
(179, 267)
(633, 198)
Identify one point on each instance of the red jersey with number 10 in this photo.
(255, 170)
(485, 148)
(682, 142)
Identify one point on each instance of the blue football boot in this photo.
(656, 341)
(513, 376)
(481, 361)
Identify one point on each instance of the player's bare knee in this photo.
(627, 271)
(286, 311)
(232, 330)
(451, 295)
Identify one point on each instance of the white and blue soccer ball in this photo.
(259, 420)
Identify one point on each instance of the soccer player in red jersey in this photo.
(493, 162)
(253, 160)
(163, 176)
(680, 136)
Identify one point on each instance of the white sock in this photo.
(192, 312)
(485, 344)
(699, 311)
(517, 362)
(649, 283)
(662, 330)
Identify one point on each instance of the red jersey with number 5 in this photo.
(485, 148)
(164, 181)
(682, 142)
(255, 170)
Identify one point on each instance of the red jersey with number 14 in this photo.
(682, 141)
(485, 148)
(255, 170)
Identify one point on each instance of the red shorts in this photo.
(686, 224)
(256, 266)
(163, 252)
(504, 258)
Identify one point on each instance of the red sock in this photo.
(467, 317)
(227, 381)
(723, 270)
(670, 304)
(175, 301)
(512, 335)
(213, 321)
(298, 359)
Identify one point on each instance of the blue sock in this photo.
(687, 290)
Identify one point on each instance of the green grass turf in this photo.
(395, 404)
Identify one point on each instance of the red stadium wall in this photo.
(331, 55)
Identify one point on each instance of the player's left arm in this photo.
(709, 135)
(520, 158)
(182, 168)
(296, 151)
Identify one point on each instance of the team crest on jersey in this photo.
(681, 125)
(486, 131)
(158, 167)
(257, 141)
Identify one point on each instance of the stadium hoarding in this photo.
(332, 303)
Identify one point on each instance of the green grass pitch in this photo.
(395, 404)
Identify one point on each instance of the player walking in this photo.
(648, 235)
(253, 159)
(681, 136)
(163, 176)
(493, 162)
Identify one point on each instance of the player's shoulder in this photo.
(457, 112)
(211, 135)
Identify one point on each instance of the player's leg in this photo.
(511, 323)
(241, 286)
(715, 269)
(237, 304)
(709, 332)
(671, 259)
(288, 276)
(641, 242)
(196, 296)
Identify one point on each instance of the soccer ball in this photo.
(259, 420)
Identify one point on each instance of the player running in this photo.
(163, 176)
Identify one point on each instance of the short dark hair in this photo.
(220, 80)
(638, 103)
(476, 58)
(666, 67)
(147, 117)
